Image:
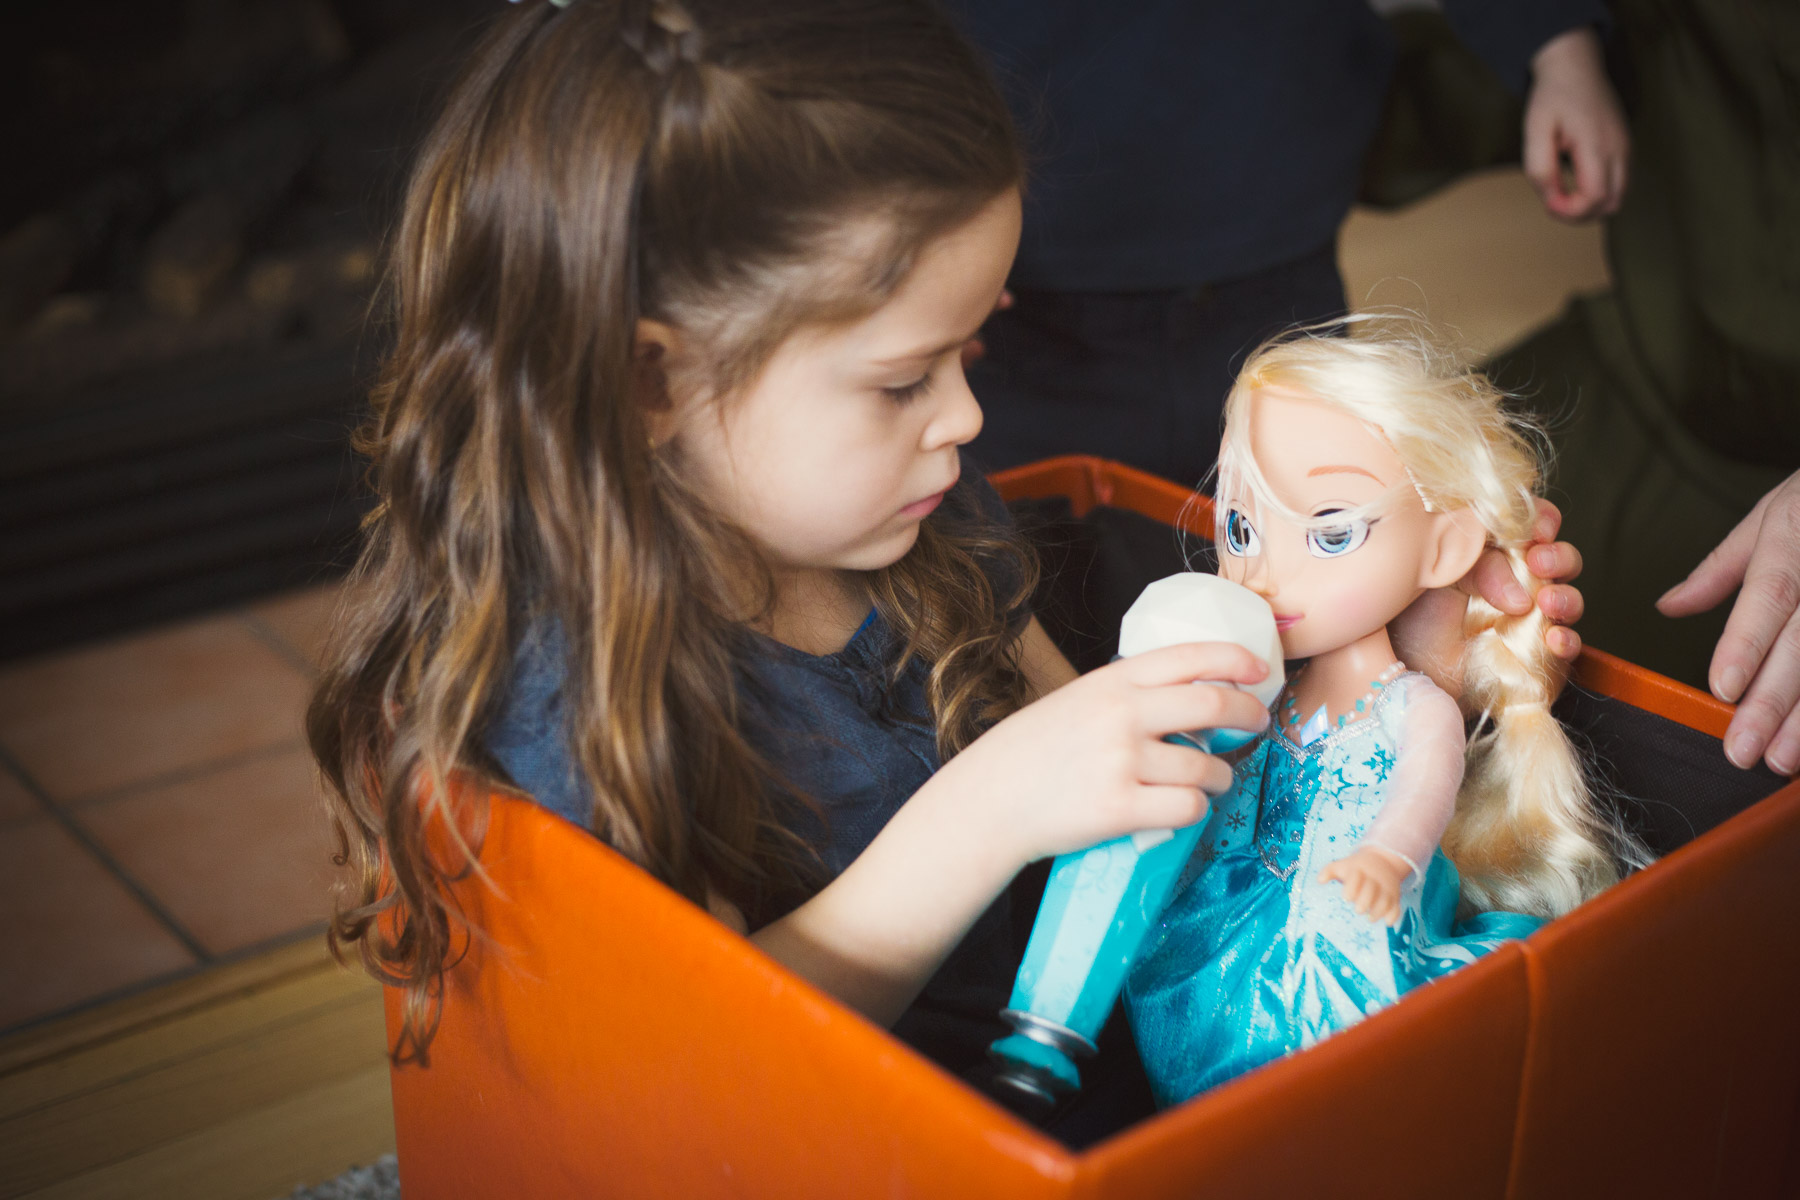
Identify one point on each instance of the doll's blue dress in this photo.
(1255, 957)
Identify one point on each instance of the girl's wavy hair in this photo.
(1527, 835)
(736, 169)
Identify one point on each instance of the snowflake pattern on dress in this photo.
(1255, 957)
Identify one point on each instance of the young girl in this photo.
(1355, 474)
(674, 531)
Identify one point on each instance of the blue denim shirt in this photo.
(843, 732)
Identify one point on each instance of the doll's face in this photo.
(1334, 586)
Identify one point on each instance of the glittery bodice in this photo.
(1256, 957)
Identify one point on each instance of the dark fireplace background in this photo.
(191, 217)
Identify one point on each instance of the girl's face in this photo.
(1331, 587)
(849, 436)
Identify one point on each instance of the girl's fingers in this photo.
(1181, 707)
(1166, 764)
(1167, 808)
(1208, 661)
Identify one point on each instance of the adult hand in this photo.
(1572, 111)
(1757, 662)
(1428, 635)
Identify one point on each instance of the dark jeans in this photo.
(1136, 376)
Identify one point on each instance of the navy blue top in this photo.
(842, 732)
(1182, 142)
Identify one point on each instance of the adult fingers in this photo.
(1189, 661)
(1783, 755)
(1589, 158)
(1548, 520)
(1770, 700)
(1561, 603)
(1762, 613)
(1493, 580)
(1719, 573)
(1540, 156)
(1180, 707)
(1564, 642)
(1557, 562)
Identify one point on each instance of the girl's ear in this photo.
(1456, 539)
(652, 348)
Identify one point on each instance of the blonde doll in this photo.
(1355, 474)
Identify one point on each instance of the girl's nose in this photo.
(957, 418)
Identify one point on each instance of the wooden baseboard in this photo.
(236, 1084)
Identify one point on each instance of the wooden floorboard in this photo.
(267, 1075)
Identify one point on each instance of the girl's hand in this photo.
(1573, 113)
(1087, 762)
(1083, 764)
(1372, 878)
(1428, 635)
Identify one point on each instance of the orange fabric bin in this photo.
(603, 1037)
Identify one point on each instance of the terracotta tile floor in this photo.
(158, 810)
(158, 813)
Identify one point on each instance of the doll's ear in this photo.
(1455, 541)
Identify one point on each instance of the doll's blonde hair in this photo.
(1526, 836)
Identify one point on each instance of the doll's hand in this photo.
(1757, 662)
(1087, 762)
(1573, 111)
(1428, 635)
(1372, 878)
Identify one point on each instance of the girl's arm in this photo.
(1044, 665)
(1419, 800)
(1082, 764)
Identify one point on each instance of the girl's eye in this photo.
(910, 392)
(1334, 541)
(1240, 535)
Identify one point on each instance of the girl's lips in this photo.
(1283, 624)
(920, 509)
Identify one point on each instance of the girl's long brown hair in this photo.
(736, 169)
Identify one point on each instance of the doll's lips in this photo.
(920, 509)
(1283, 624)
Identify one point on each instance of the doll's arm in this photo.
(1420, 799)
(1428, 770)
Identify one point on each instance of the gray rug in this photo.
(380, 1180)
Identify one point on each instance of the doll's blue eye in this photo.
(1334, 541)
(1240, 535)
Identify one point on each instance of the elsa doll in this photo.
(1356, 473)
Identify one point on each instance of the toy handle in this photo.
(1101, 902)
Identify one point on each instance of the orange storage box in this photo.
(603, 1037)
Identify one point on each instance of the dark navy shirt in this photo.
(844, 733)
(1176, 143)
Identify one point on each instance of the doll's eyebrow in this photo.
(1344, 470)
